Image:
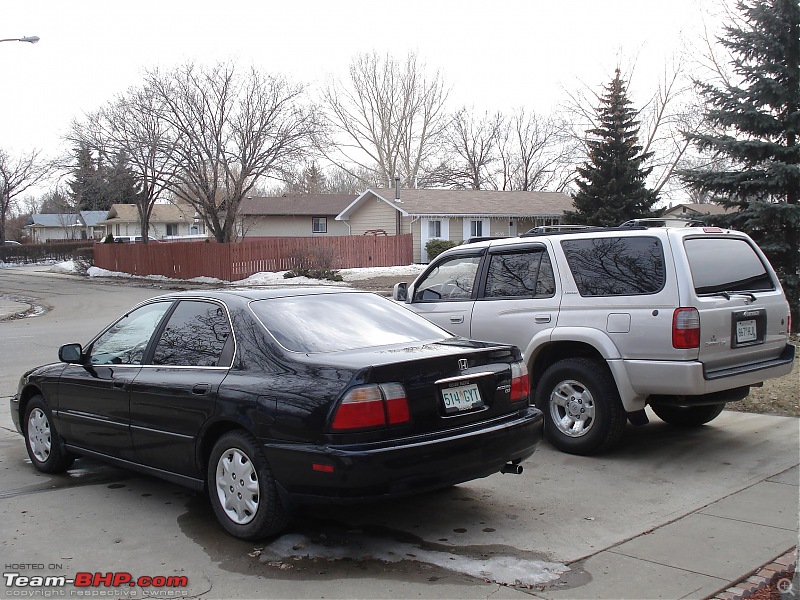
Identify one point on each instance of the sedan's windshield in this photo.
(331, 322)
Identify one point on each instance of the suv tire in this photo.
(687, 416)
(582, 409)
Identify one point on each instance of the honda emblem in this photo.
(462, 364)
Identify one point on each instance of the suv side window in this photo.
(520, 275)
(195, 335)
(616, 266)
(452, 279)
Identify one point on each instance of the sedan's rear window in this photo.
(331, 322)
(726, 265)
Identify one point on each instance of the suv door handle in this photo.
(200, 389)
(541, 318)
(456, 318)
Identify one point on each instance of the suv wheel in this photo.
(687, 416)
(581, 405)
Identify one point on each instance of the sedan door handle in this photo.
(201, 388)
(120, 384)
(541, 318)
(456, 318)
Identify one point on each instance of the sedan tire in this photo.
(242, 488)
(45, 447)
(582, 409)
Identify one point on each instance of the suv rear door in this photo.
(743, 312)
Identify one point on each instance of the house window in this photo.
(434, 229)
(118, 229)
(319, 225)
(475, 228)
(172, 229)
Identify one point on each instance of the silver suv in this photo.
(612, 320)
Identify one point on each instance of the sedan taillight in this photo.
(371, 406)
(520, 383)
(686, 328)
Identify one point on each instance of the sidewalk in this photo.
(717, 551)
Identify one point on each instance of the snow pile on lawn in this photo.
(347, 274)
(276, 278)
(68, 266)
(98, 272)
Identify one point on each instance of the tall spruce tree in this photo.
(755, 122)
(85, 185)
(611, 186)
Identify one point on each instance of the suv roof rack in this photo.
(664, 222)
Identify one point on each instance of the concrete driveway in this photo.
(668, 514)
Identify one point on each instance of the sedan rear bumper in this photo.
(345, 474)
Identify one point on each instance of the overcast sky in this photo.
(496, 55)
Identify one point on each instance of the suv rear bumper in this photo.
(648, 377)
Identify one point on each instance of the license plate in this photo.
(746, 331)
(461, 398)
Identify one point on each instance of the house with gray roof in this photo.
(166, 221)
(66, 226)
(454, 215)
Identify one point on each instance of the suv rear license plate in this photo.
(461, 398)
(746, 331)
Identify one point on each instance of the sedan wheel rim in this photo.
(237, 486)
(572, 408)
(39, 435)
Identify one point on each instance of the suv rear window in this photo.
(726, 265)
(616, 266)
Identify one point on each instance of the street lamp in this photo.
(31, 39)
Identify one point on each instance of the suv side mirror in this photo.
(400, 292)
(70, 353)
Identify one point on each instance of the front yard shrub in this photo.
(316, 263)
(435, 247)
(83, 259)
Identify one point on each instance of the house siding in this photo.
(289, 226)
(374, 215)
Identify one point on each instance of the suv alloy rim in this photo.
(572, 408)
(237, 486)
(39, 434)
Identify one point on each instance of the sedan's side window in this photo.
(520, 275)
(452, 279)
(195, 335)
(125, 342)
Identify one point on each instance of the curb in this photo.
(767, 577)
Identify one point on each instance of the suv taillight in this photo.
(686, 328)
(520, 383)
(372, 406)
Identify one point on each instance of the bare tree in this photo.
(131, 126)
(537, 153)
(230, 129)
(470, 147)
(385, 119)
(16, 176)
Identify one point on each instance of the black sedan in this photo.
(272, 398)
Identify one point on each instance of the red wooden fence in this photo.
(232, 262)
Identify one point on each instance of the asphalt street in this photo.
(670, 513)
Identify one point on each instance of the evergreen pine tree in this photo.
(83, 186)
(755, 122)
(611, 186)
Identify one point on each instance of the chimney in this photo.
(397, 189)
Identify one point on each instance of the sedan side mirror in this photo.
(70, 353)
(400, 292)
